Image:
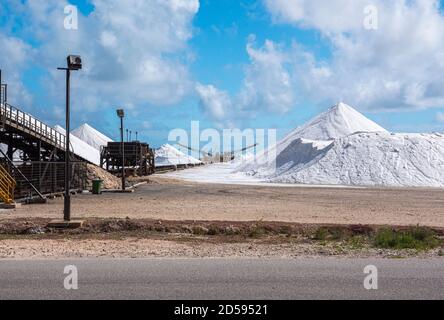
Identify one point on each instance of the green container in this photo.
(97, 186)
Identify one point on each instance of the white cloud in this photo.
(134, 52)
(328, 16)
(440, 117)
(214, 103)
(108, 40)
(13, 61)
(267, 86)
(399, 65)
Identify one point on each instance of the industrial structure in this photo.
(209, 157)
(32, 155)
(139, 158)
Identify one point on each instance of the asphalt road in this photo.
(322, 278)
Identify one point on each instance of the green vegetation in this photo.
(417, 238)
(321, 234)
(414, 238)
(357, 242)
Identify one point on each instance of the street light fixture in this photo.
(121, 115)
(74, 63)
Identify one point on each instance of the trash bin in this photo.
(97, 186)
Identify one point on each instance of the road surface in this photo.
(322, 278)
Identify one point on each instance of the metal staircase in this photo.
(7, 186)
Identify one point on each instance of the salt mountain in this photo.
(81, 148)
(342, 147)
(91, 136)
(167, 155)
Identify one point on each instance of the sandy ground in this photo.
(169, 199)
(172, 199)
(146, 248)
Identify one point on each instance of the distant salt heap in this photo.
(342, 147)
(81, 148)
(167, 155)
(91, 136)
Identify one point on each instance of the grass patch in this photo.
(321, 234)
(414, 238)
(357, 242)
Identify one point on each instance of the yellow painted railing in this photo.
(7, 186)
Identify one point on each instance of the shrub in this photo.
(414, 238)
(321, 234)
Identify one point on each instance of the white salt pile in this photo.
(81, 148)
(91, 136)
(340, 121)
(305, 143)
(167, 155)
(342, 147)
(373, 159)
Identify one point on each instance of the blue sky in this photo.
(258, 64)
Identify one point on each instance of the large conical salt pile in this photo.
(373, 159)
(91, 136)
(340, 121)
(342, 147)
(167, 155)
(306, 142)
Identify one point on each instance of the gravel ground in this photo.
(167, 199)
(145, 248)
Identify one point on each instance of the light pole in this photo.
(121, 115)
(74, 63)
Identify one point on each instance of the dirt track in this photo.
(175, 200)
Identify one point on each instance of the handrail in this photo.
(29, 122)
(10, 113)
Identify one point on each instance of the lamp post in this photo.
(121, 115)
(74, 63)
(131, 136)
(137, 133)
